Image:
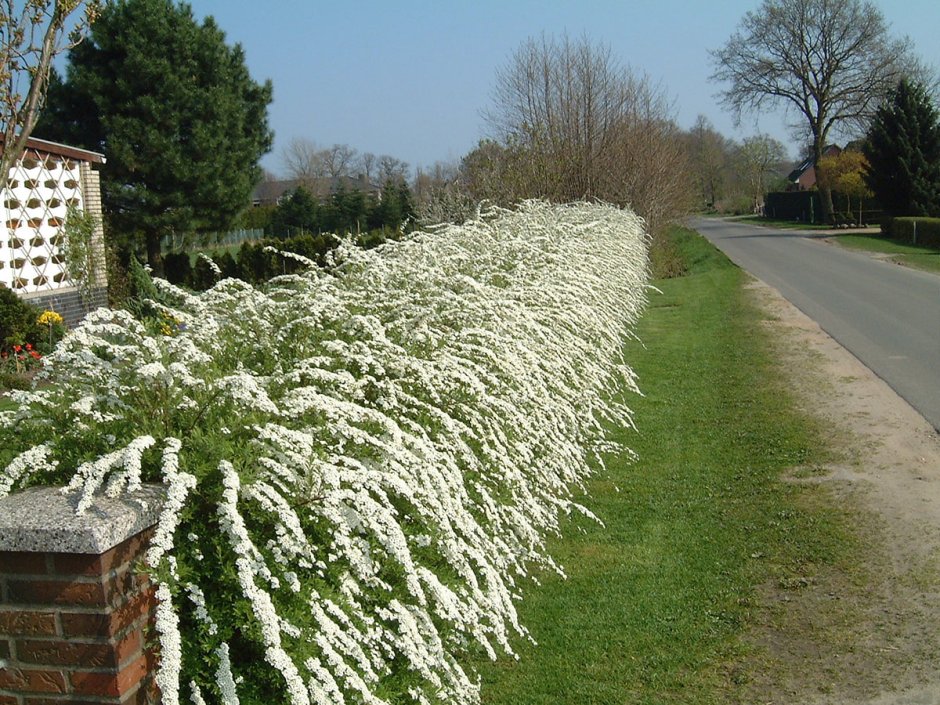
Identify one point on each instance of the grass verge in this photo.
(925, 258)
(657, 601)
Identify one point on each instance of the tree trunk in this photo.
(825, 201)
(822, 183)
(154, 255)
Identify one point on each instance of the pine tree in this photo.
(405, 203)
(296, 214)
(176, 113)
(903, 152)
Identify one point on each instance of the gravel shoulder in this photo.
(869, 635)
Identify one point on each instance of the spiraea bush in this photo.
(361, 462)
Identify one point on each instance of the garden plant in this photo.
(362, 462)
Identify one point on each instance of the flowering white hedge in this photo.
(360, 464)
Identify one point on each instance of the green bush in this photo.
(253, 262)
(177, 267)
(916, 231)
(23, 338)
(17, 320)
(257, 218)
(256, 264)
(735, 205)
(205, 274)
(117, 259)
(227, 264)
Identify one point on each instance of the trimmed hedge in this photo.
(916, 231)
(793, 205)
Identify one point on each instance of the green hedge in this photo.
(793, 205)
(916, 231)
(255, 264)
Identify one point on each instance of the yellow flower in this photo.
(49, 318)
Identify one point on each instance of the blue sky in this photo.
(410, 78)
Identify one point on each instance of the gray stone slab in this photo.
(43, 520)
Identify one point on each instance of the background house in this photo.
(803, 178)
(41, 187)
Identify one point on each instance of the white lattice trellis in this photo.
(39, 190)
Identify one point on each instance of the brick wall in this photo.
(68, 303)
(75, 627)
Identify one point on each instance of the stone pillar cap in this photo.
(43, 520)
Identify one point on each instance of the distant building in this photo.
(803, 178)
(41, 186)
(270, 193)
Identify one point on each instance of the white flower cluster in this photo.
(166, 623)
(179, 485)
(384, 444)
(31, 461)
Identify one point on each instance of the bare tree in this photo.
(647, 166)
(303, 160)
(571, 122)
(31, 35)
(366, 165)
(392, 169)
(759, 156)
(559, 99)
(440, 195)
(711, 158)
(829, 62)
(338, 160)
(439, 176)
(488, 173)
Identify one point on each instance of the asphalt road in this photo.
(886, 315)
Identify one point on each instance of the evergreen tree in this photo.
(176, 113)
(903, 152)
(354, 211)
(406, 205)
(387, 213)
(295, 214)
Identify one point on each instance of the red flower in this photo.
(35, 355)
(4, 354)
(17, 348)
(28, 346)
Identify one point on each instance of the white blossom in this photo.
(167, 625)
(32, 461)
(223, 676)
(429, 408)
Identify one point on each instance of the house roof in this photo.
(62, 150)
(794, 176)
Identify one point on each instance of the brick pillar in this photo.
(75, 609)
(91, 200)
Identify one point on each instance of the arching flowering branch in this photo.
(361, 463)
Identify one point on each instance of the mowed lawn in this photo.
(916, 256)
(656, 601)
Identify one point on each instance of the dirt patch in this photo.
(869, 634)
